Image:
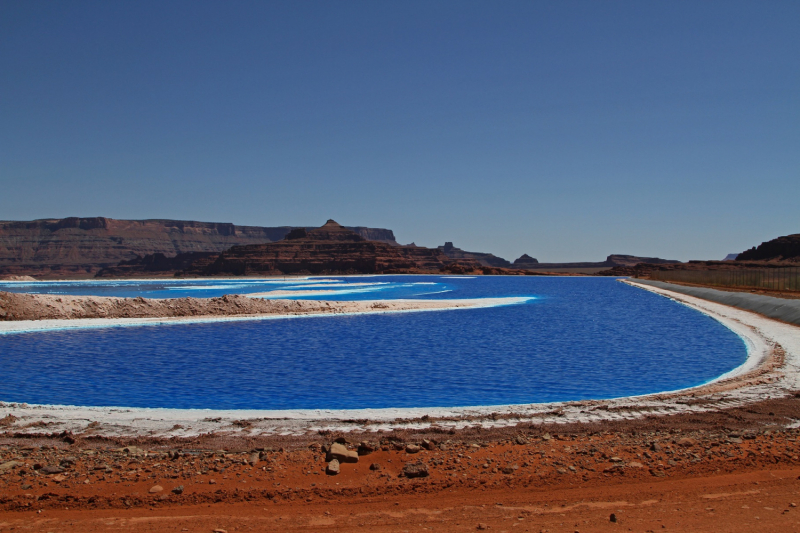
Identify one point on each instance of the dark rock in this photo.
(418, 469)
(178, 489)
(782, 248)
(375, 466)
(51, 469)
(525, 260)
(367, 447)
(297, 233)
(612, 518)
(481, 258)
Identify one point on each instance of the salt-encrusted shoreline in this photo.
(231, 309)
(772, 370)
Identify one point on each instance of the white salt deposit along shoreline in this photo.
(772, 370)
(335, 308)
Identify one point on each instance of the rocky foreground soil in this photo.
(735, 470)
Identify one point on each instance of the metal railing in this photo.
(772, 279)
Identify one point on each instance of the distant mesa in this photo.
(612, 261)
(484, 259)
(80, 247)
(106, 247)
(786, 248)
(156, 264)
(333, 231)
(297, 233)
(780, 252)
(629, 260)
(330, 249)
(524, 261)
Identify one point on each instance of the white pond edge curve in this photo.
(760, 334)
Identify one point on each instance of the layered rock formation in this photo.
(79, 247)
(484, 259)
(613, 260)
(781, 252)
(645, 269)
(525, 261)
(156, 264)
(331, 249)
(786, 248)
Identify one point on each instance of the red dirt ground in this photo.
(736, 470)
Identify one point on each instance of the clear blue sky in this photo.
(567, 130)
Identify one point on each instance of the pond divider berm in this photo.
(783, 309)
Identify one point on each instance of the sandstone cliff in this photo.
(331, 249)
(156, 264)
(485, 259)
(525, 261)
(79, 247)
(781, 252)
(786, 248)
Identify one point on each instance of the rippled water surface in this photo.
(579, 338)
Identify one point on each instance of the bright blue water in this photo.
(329, 288)
(582, 338)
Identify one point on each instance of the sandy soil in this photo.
(29, 307)
(733, 471)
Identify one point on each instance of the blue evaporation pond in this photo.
(329, 288)
(581, 338)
